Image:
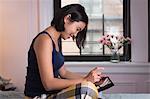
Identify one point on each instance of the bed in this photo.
(20, 95)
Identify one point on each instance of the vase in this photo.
(115, 56)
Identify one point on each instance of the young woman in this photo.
(46, 73)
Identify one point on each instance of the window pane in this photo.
(69, 47)
(105, 17)
(91, 49)
(113, 19)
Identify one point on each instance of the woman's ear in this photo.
(67, 18)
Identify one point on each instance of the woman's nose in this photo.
(71, 34)
(75, 34)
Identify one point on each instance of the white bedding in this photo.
(126, 96)
(20, 95)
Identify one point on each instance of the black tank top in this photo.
(33, 84)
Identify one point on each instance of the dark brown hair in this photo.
(77, 13)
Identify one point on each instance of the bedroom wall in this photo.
(139, 30)
(14, 39)
(20, 21)
(0, 41)
(16, 25)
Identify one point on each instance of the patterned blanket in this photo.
(85, 90)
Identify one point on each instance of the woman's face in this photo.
(72, 29)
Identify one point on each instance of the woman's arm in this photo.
(93, 76)
(69, 75)
(43, 50)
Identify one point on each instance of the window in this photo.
(106, 16)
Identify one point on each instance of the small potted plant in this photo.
(114, 43)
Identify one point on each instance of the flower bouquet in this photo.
(114, 43)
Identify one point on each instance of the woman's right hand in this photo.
(94, 75)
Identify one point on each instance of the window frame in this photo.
(126, 27)
(148, 31)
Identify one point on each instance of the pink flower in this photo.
(114, 42)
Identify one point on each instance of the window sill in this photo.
(121, 67)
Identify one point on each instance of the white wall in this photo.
(139, 30)
(0, 41)
(20, 21)
(45, 13)
(16, 27)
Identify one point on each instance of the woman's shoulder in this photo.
(43, 41)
